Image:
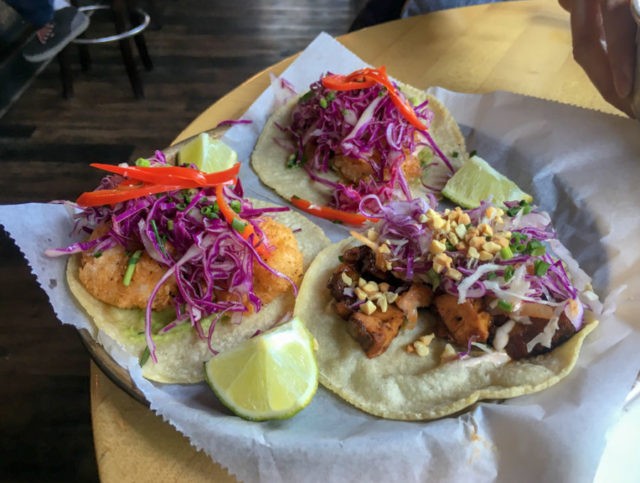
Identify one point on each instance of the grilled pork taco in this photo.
(351, 136)
(179, 265)
(429, 312)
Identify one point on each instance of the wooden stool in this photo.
(129, 22)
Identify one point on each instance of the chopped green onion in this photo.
(307, 95)
(323, 103)
(491, 275)
(159, 239)
(504, 305)
(535, 248)
(144, 357)
(97, 254)
(540, 267)
(506, 253)
(434, 278)
(292, 160)
(238, 225)
(331, 95)
(143, 162)
(209, 211)
(131, 267)
(235, 205)
(170, 225)
(508, 273)
(523, 205)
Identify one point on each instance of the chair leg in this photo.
(119, 9)
(66, 74)
(141, 44)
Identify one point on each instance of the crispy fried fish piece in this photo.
(286, 258)
(102, 277)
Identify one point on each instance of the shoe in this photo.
(67, 24)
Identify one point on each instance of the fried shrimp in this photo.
(102, 276)
(286, 258)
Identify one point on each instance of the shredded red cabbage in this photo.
(403, 228)
(361, 124)
(182, 231)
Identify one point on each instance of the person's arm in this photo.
(604, 33)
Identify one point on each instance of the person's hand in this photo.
(603, 33)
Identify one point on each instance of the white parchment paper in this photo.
(581, 166)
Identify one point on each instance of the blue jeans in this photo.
(36, 12)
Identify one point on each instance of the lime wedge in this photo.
(476, 181)
(208, 154)
(271, 376)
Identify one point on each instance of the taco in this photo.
(180, 271)
(428, 312)
(351, 136)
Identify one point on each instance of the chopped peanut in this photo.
(461, 231)
(370, 288)
(477, 241)
(368, 307)
(454, 274)
(421, 349)
(360, 293)
(448, 354)
(485, 229)
(437, 247)
(382, 303)
(391, 297)
(346, 279)
(464, 219)
(491, 247)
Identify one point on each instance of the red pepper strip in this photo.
(230, 216)
(121, 193)
(158, 175)
(343, 83)
(329, 213)
(172, 175)
(368, 77)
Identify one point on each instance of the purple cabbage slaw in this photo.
(559, 284)
(362, 124)
(182, 231)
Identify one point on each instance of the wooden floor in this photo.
(202, 49)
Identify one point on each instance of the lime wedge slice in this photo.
(271, 376)
(476, 181)
(208, 154)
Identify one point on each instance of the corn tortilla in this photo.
(269, 158)
(403, 386)
(181, 353)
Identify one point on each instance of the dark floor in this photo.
(202, 50)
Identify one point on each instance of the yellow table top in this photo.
(522, 47)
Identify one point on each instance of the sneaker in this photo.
(66, 25)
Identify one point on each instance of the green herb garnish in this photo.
(131, 267)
